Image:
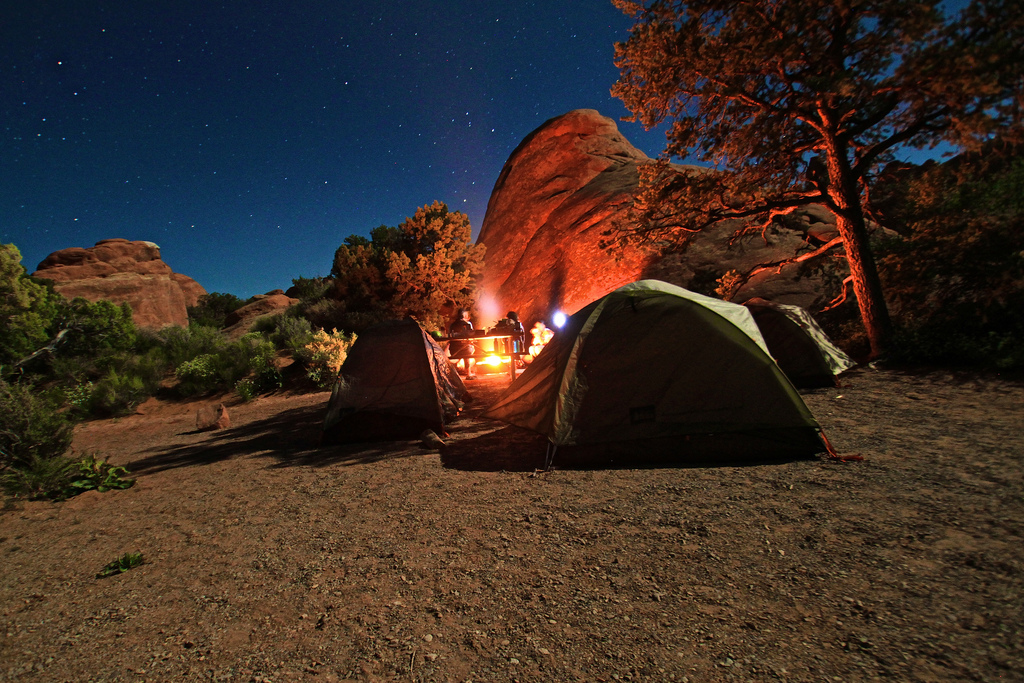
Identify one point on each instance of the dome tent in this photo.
(798, 344)
(653, 371)
(395, 383)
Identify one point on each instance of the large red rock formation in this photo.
(567, 183)
(555, 196)
(121, 270)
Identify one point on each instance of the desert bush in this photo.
(91, 473)
(95, 327)
(184, 344)
(324, 356)
(212, 309)
(38, 477)
(258, 357)
(117, 394)
(310, 289)
(198, 375)
(955, 276)
(252, 356)
(286, 330)
(30, 426)
(325, 314)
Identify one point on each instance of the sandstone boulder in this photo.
(121, 270)
(210, 418)
(571, 180)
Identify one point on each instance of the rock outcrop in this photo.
(240, 320)
(558, 192)
(571, 180)
(121, 270)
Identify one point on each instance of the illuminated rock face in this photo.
(561, 188)
(121, 270)
(566, 184)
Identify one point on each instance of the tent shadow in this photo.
(510, 449)
(513, 449)
(291, 438)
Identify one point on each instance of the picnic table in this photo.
(498, 347)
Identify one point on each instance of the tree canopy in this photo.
(793, 102)
(419, 268)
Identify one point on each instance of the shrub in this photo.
(259, 360)
(95, 327)
(292, 333)
(251, 356)
(120, 565)
(185, 344)
(39, 477)
(30, 426)
(324, 356)
(212, 309)
(246, 389)
(117, 394)
(94, 474)
(198, 376)
(308, 289)
(285, 330)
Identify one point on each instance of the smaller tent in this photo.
(395, 383)
(798, 344)
(653, 372)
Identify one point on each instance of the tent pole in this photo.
(549, 456)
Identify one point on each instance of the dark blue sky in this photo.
(248, 139)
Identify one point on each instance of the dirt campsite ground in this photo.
(268, 559)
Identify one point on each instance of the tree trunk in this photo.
(867, 286)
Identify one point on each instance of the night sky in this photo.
(249, 139)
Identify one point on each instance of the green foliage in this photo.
(213, 309)
(285, 330)
(955, 276)
(30, 426)
(97, 327)
(95, 474)
(184, 344)
(198, 376)
(252, 355)
(324, 355)
(28, 309)
(117, 394)
(120, 565)
(417, 269)
(310, 289)
(39, 477)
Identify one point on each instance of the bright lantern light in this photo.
(558, 319)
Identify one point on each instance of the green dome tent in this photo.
(653, 371)
(395, 383)
(798, 344)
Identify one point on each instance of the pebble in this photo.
(428, 637)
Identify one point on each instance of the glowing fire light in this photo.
(541, 336)
(492, 360)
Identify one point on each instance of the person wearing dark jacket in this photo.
(462, 351)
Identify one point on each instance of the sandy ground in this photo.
(268, 559)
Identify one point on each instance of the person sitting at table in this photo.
(517, 332)
(462, 351)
